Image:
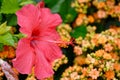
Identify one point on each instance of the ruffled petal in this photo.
(51, 50)
(24, 57)
(42, 68)
(50, 34)
(46, 53)
(48, 19)
(48, 24)
(28, 18)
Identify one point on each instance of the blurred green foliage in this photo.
(9, 6)
(79, 31)
(63, 7)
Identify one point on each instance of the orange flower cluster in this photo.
(97, 56)
(7, 52)
(103, 9)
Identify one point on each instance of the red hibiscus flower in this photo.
(39, 48)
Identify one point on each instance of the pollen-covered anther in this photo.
(64, 44)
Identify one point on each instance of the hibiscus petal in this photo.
(51, 50)
(48, 24)
(28, 18)
(50, 34)
(24, 57)
(42, 68)
(49, 20)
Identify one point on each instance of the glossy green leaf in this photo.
(9, 6)
(7, 39)
(79, 31)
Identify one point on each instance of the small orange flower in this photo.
(94, 73)
(102, 39)
(117, 9)
(108, 47)
(96, 62)
(80, 60)
(101, 5)
(80, 19)
(84, 72)
(107, 56)
(117, 42)
(73, 75)
(101, 14)
(114, 56)
(111, 11)
(94, 40)
(109, 75)
(110, 3)
(91, 19)
(99, 53)
(113, 30)
(77, 50)
(116, 66)
(85, 43)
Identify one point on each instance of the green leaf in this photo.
(63, 7)
(4, 28)
(50, 3)
(15, 39)
(67, 13)
(1, 46)
(9, 6)
(47, 1)
(0, 2)
(11, 19)
(7, 39)
(20, 35)
(24, 2)
(0, 17)
(56, 7)
(79, 31)
(70, 16)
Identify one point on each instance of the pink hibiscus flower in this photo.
(39, 48)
